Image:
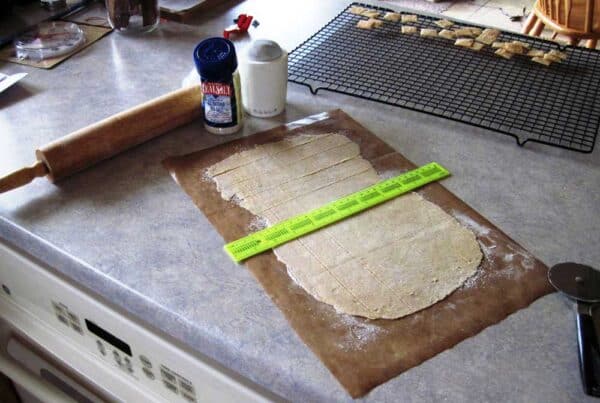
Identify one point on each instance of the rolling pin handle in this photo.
(23, 176)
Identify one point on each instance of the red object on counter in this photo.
(242, 23)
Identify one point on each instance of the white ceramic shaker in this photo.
(263, 72)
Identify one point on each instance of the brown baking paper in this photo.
(364, 353)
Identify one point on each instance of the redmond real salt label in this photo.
(217, 103)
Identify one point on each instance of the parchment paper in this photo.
(363, 353)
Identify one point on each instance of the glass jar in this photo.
(216, 62)
(130, 16)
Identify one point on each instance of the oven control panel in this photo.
(119, 353)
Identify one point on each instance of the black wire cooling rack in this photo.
(556, 105)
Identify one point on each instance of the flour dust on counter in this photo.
(387, 262)
(516, 261)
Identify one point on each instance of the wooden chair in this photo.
(575, 19)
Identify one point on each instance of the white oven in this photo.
(58, 343)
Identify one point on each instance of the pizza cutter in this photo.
(582, 284)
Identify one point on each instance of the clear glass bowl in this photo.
(49, 39)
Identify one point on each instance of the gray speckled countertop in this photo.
(139, 242)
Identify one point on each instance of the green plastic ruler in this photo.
(334, 211)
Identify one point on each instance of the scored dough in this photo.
(386, 262)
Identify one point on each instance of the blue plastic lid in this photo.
(215, 59)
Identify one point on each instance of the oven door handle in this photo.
(41, 389)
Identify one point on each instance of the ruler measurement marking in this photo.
(323, 214)
(347, 205)
(411, 180)
(276, 234)
(334, 211)
(431, 171)
(391, 187)
(298, 225)
(370, 196)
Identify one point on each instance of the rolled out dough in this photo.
(387, 262)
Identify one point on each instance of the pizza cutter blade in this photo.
(582, 284)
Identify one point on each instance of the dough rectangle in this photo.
(361, 282)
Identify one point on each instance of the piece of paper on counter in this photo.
(8, 81)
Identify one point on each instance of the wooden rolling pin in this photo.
(106, 138)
